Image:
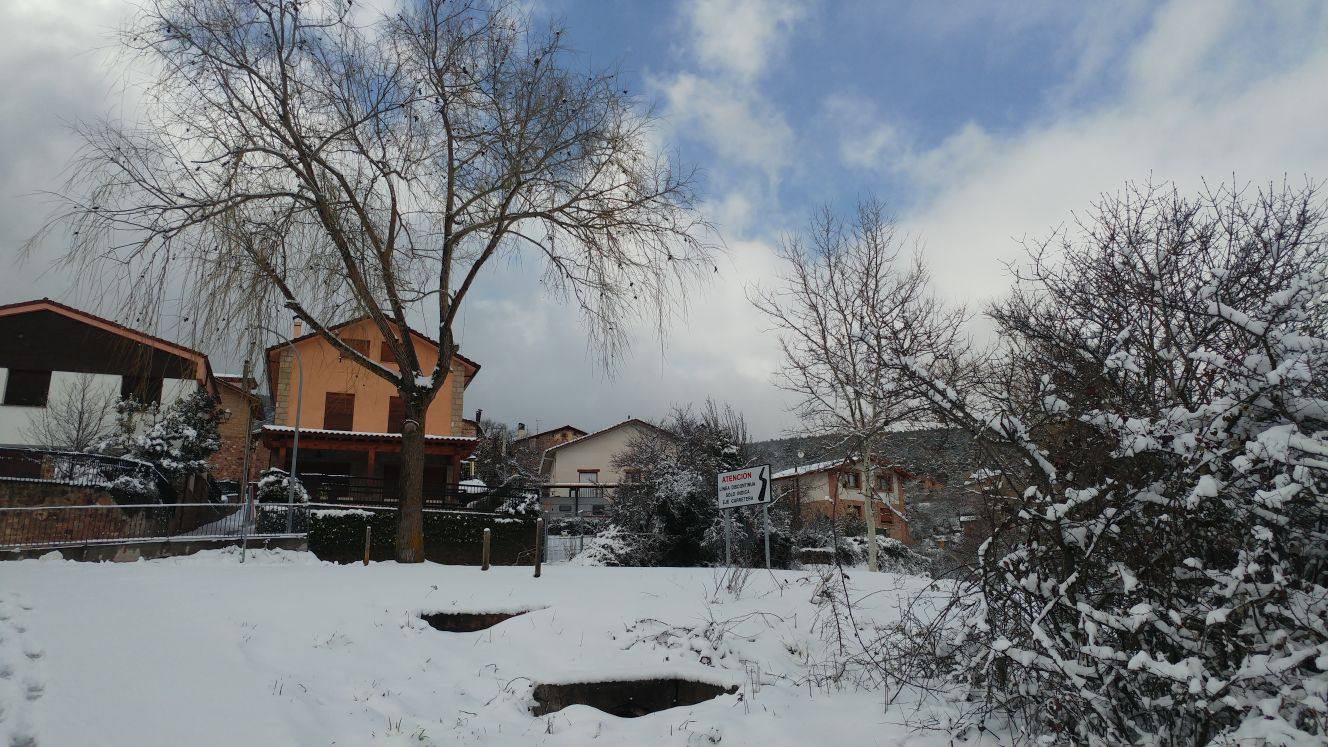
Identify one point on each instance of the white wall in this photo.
(15, 422)
(593, 452)
(174, 389)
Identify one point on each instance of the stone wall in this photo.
(61, 525)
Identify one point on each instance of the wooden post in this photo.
(539, 538)
(368, 533)
(485, 551)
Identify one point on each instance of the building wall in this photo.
(228, 462)
(592, 452)
(15, 422)
(822, 493)
(325, 370)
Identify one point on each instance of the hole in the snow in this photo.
(628, 698)
(467, 622)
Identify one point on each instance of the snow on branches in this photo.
(1156, 574)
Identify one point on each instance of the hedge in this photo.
(450, 537)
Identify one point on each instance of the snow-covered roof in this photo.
(602, 431)
(807, 469)
(361, 434)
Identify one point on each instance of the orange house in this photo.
(834, 489)
(350, 419)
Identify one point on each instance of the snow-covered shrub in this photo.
(892, 555)
(176, 440)
(1156, 573)
(523, 504)
(274, 487)
(449, 536)
(615, 547)
(674, 495)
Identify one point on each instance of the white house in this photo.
(579, 474)
(50, 352)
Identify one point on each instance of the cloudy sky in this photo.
(979, 123)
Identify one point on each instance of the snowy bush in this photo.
(615, 547)
(274, 487)
(1156, 573)
(177, 440)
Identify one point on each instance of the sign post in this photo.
(749, 486)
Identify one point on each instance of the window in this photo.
(396, 415)
(356, 344)
(587, 475)
(564, 508)
(631, 475)
(385, 354)
(144, 389)
(339, 412)
(850, 480)
(27, 388)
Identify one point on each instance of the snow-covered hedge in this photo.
(452, 537)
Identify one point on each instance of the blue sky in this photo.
(980, 123)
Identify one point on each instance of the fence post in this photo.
(539, 539)
(368, 532)
(484, 553)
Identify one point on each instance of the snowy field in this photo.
(286, 650)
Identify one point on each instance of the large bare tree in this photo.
(849, 304)
(297, 155)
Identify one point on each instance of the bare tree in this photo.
(290, 155)
(78, 415)
(848, 305)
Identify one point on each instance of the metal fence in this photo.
(56, 526)
(84, 470)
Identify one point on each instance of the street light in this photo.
(295, 446)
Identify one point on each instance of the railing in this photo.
(54, 526)
(352, 490)
(113, 474)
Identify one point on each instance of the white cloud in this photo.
(738, 37)
(741, 127)
(1195, 105)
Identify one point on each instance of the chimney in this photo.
(297, 328)
(520, 430)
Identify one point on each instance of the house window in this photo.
(631, 475)
(356, 344)
(385, 353)
(143, 389)
(27, 388)
(851, 480)
(564, 508)
(339, 412)
(396, 415)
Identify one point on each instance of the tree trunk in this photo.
(865, 470)
(410, 513)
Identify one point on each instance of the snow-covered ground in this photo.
(286, 650)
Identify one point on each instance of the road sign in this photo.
(744, 487)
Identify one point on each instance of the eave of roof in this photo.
(362, 435)
(204, 366)
(615, 426)
(356, 320)
(547, 432)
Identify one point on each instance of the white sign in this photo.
(744, 487)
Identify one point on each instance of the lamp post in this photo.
(295, 445)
